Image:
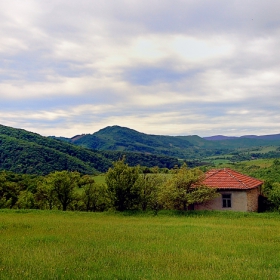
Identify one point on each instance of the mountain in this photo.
(272, 137)
(26, 152)
(219, 137)
(116, 138)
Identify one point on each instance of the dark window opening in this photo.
(226, 200)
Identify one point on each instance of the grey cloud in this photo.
(56, 41)
(149, 75)
(201, 17)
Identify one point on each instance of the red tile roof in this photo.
(229, 179)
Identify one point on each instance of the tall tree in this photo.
(45, 195)
(25, 200)
(272, 192)
(121, 181)
(9, 191)
(149, 185)
(64, 184)
(94, 196)
(185, 188)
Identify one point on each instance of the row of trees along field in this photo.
(126, 188)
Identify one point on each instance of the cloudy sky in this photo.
(179, 67)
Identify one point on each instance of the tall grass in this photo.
(171, 245)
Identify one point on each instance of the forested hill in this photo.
(116, 138)
(26, 152)
(272, 137)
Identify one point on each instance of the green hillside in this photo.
(26, 152)
(116, 138)
(148, 160)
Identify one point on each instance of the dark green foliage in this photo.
(269, 174)
(13, 186)
(184, 188)
(272, 192)
(26, 152)
(241, 156)
(271, 154)
(45, 195)
(116, 138)
(121, 180)
(125, 139)
(26, 200)
(95, 196)
(149, 185)
(30, 153)
(24, 157)
(64, 184)
(148, 160)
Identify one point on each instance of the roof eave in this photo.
(239, 189)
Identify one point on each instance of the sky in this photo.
(180, 67)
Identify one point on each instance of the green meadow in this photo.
(262, 163)
(172, 245)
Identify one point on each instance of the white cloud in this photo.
(181, 67)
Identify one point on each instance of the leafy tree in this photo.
(25, 200)
(9, 191)
(272, 193)
(94, 196)
(274, 196)
(3, 191)
(149, 185)
(185, 188)
(121, 180)
(64, 184)
(11, 185)
(45, 196)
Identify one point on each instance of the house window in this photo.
(226, 200)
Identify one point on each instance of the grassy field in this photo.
(262, 163)
(218, 160)
(264, 150)
(193, 245)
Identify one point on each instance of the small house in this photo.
(238, 192)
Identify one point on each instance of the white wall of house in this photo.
(241, 200)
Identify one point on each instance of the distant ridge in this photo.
(125, 131)
(25, 152)
(22, 151)
(192, 147)
(265, 137)
(219, 137)
(262, 137)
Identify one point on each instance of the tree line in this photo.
(126, 188)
